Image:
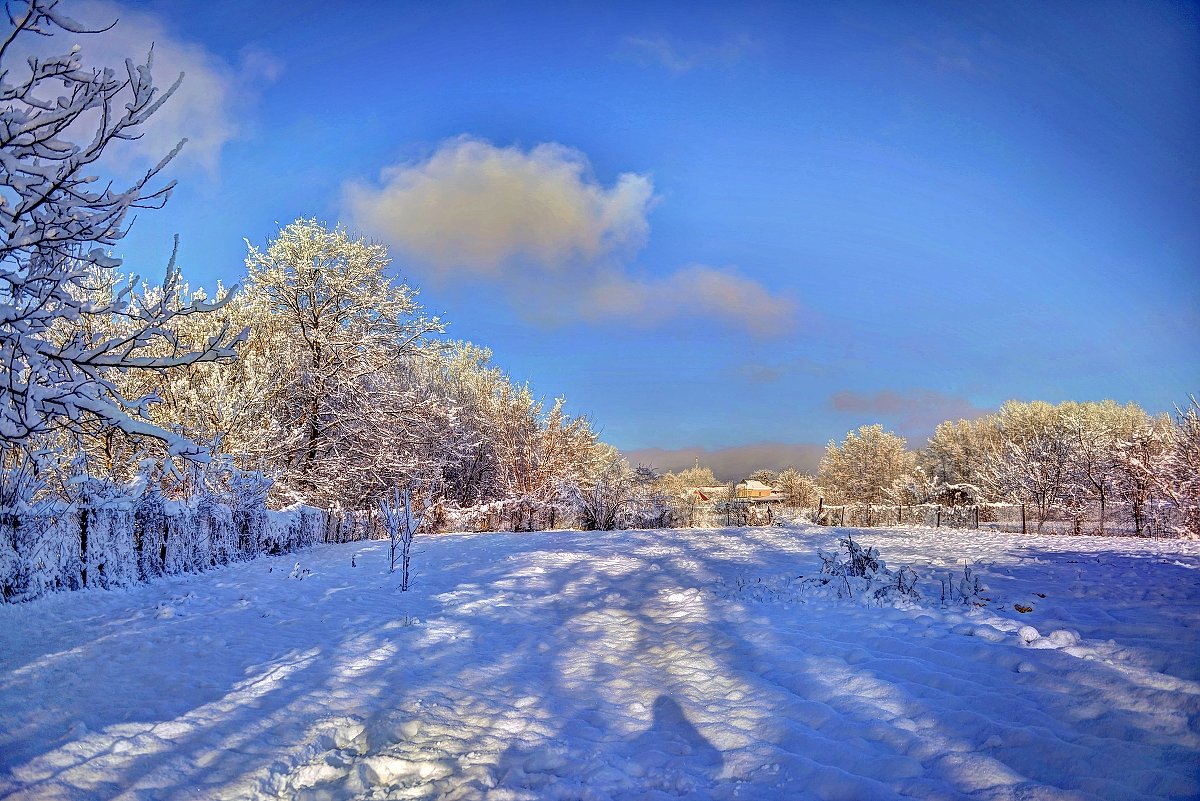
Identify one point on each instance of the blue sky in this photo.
(716, 226)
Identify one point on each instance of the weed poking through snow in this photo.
(856, 572)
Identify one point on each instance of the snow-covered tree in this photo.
(217, 404)
(601, 501)
(58, 219)
(1177, 472)
(685, 480)
(768, 477)
(470, 385)
(338, 328)
(1136, 465)
(402, 515)
(870, 467)
(799, 489)
(509, 444)
(1095, 435)
(649, 506)
(955, 460)
(1030, 462)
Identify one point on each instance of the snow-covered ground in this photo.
(648, 665)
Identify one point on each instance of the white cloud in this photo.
(473, 206)
(207, 107)
(558, 241)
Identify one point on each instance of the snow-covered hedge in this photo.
(114, 536)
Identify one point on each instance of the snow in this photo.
(623, 665)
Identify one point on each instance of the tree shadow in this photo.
(544, 664)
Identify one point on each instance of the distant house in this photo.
(747, 491)
(753, 489)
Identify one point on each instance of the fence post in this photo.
(939, 516)
(1022, 520)
(976, 515)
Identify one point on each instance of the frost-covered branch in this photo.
(58, 345)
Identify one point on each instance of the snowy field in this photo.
(627, 665)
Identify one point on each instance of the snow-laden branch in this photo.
(57, 221)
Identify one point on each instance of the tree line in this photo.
(1099, 462)
(342, 389)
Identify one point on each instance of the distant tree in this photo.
(870, 467)
(649, 505)
(645, 474)
(58, 345)
(955, 458)
(1095, 433)
(688, 479)
(1137, 464)
(1177, 472)
(768, 477)
(799, 489)
(601, 501)
(1030, 462)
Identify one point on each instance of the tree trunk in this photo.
(83, 545)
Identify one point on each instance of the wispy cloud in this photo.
(554, 238)
(944, 55)
(914, 413)
(770, 372)
(679, 57)
(209, 106)
(694, 291)
(734, 463)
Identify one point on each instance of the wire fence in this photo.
(1117, 520)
